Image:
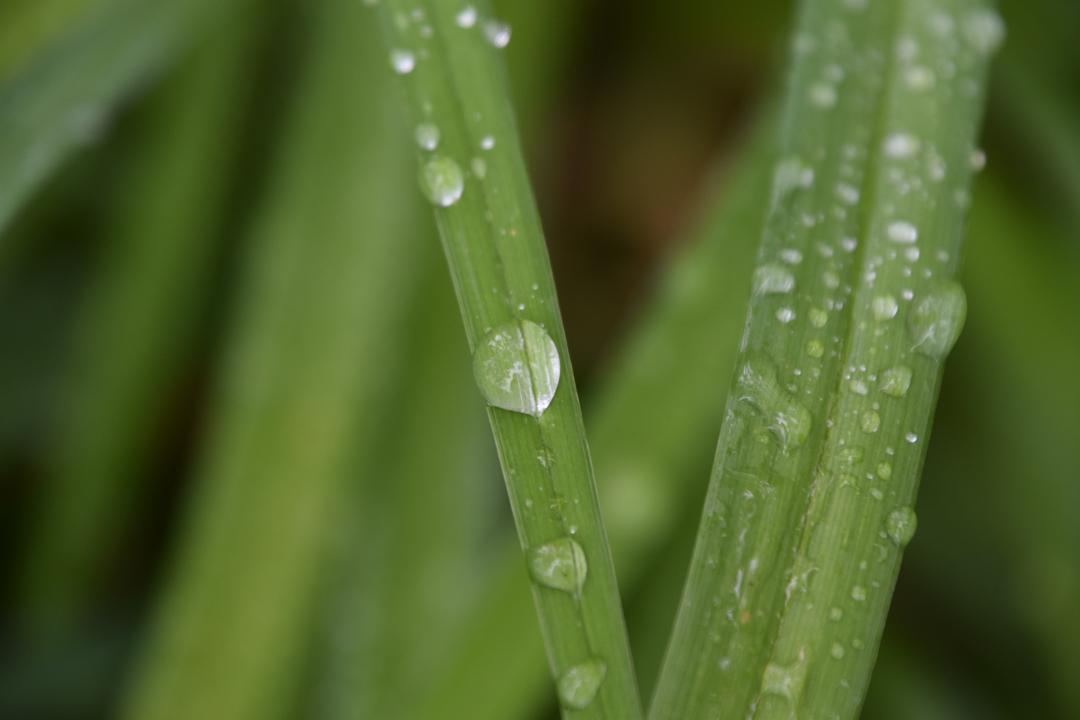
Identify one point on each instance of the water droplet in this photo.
(911, 437)
(815, 349)
(884, 307)
(427, 136)
(517, 367)
(784, 680)
(858, 643)
(773, 278)
(884, 470)
(823, 95)
(426, 31)
(442, 181)
(847, 193)
(837, 651)
(560, 565)
(902, 232)
(836, 614)
(858, 386)
(896, 381)
(818, 317)
(901, 145)
(911, 254)
(790, 421)
(983, 29)
(858, 593)
(497, 33)
(785, 315)
(789, 175)
(579, 684)
(403, 61)
(977, 159)
(920, 78)
(871, 421)
(878, 495)
(901, 526)
(936, 320)
(849, 244)
(487, 142)
(790, 256)
(466, 17)
(851, 455)
(479, 167)
(831, 280)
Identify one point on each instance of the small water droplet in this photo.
(884, 470)
(785, 315)
(849, 244)
(427, 136)
(858, 593)
(858, 386)
(789, 175)
(823, 95)
(902, 232)
(479, 167)
(884, 307)
(790, 256)
(847, 193)
(983, 29)
(912, 254)
(773, 278)
(911, 437)
(815, 349)
(579, 684)
(487, 142)
(977, 159)
(426, 31)
(790, 420)
(442, 181)
(836, 614)
(784, 680)
(896, 381)
(497, 33)
(901, 526)
(851, 455)
(837, 651)
(403, 61)
(871, 421)
(901, 145)
(466, 17)
(560, 565)
(858, 643)
(818, 317)
(878, 495)
(936, 320)
(517, 367)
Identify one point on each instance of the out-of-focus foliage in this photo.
(634, 115)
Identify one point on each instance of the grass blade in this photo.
(139, 328)
(473, 171)
(65, 96)
(810, 502)
(317, 324)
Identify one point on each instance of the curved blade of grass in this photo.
(651, 431)
(453, 80)
(317, 324)
(63, 98)
(810, 502)
(139, 328)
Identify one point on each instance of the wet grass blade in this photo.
(854, 309)
(140, 327)
(472, 170)
(63, 98)
(316, 327)
(651, 430)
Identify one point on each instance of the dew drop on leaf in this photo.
(442, 181)
(517, 367)
(579, 684)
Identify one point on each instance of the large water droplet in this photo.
(773, 278)
(403, 61)
(896, 381)
(818, 317)
(901, 526)
(442, 181)
(427, 136)
(579, 684)
(559, 564)
(517, 367)
(791, 421)
(466, 17)
(936, 320)
(870, 422)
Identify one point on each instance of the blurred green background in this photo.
(230, 359)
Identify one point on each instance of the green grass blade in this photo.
(475, 175)
(139, 328)
(317, 324)
(26, 26)
(810, 502)
(64, 97)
